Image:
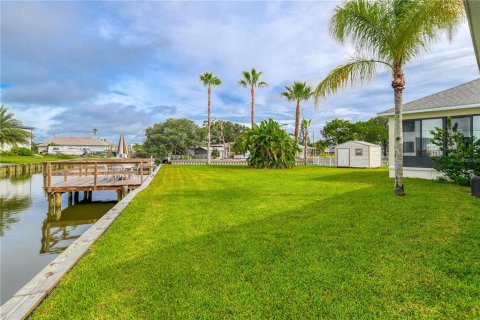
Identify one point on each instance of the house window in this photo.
(428, 148)
(411, 138)
(462, 125)
(476, 126)
(359, 152)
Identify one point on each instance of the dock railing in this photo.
(104, 171)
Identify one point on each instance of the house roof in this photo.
(76, 141)
(465, 95)
(359, 142)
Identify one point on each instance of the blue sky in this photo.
(68, 67)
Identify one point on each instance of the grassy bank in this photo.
(32, 159)
(232, 242)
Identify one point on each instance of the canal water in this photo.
(30, 237)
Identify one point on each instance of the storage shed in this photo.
(358, 154)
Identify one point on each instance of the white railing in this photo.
(325, 161)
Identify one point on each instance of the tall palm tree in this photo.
(298, 92)
(10, 133)
(389, 34)
(209, 80)
(250, 79)
(305, 125)
(95, 130)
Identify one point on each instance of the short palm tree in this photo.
(251, 79)
(305, 125)
(10, 133)
(297, 92)
(209, 80)
(389, 34)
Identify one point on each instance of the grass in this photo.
(32, 159)
(311, 242)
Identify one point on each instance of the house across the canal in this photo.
(75, 145)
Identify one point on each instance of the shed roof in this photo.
(76, 141)
(465, 95)
(359, 142)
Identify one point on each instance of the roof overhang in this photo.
(468, 106)
(472, 8)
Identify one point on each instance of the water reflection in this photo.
(30, 236)
(61, 228)
(15, 196)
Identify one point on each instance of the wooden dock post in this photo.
(58, 201)
(51, 203)
(124, 191)
(119, 195)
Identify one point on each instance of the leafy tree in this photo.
(320, 145)
(225, 131)
(9, 131)
(460, 159)
(338, 131)
(173, 136)
(139, 151)
(374, 130)
(297, 92)
(390, 34)
(209, 80)
(251, 79)
(269, 146)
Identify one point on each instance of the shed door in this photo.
(343, 155)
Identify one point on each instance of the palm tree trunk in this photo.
(208, 127)
(253, 107)
(297, 122)
(305, 147)
(398, 85)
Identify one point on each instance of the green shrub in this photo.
(269, 146)
(215, 153)
(460, 159)
(21, 151)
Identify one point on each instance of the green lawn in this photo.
(32, 159)
(311, 242)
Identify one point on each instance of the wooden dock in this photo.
(121, 175)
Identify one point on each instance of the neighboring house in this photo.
(8, 147)
(310, 151)
(69, 145)
(420, 117)
(200, 152)
(473, 14)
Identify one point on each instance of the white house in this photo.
(200, 152)
(8, 147)
(358, 154)
(420, 117)
(70, 145)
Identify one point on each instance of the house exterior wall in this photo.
(416, 172)
(44, 149)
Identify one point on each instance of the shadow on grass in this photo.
(336, 257)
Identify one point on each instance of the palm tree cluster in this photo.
(298, 92)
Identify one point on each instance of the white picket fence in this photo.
(316, 161)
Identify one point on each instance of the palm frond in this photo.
(262, 84)
(355, 71)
